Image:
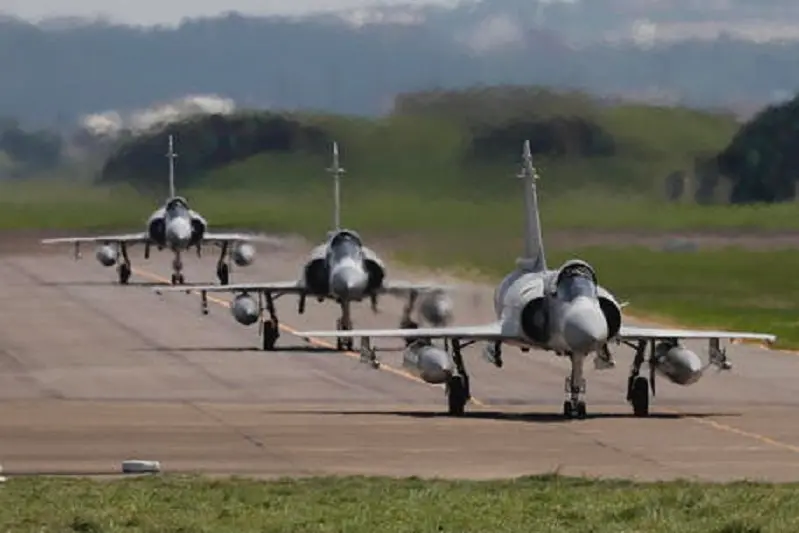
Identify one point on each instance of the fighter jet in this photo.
(176, 227)
(341, 269)
(564, 311)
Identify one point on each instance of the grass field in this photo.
(728, 288)
(369, 505)
(51, 204)
(739, 289)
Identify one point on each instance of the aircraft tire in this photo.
(124, 274)
(640, 396)
(581, 410)
(271, 334)
(456, 396)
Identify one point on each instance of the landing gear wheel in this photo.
(124, 272)
(577, 410)
(639, 396)
(223, 274)
(344, 345)
(581, 410)
(456, 396)
(271, 334)
(178, 279)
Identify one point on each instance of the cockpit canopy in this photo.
(576, 278)
(345, 243)
(344, 234)
(177, 203)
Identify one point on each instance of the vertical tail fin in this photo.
(337, 171)
(172, 156)
(534, 259)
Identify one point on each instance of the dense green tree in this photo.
(209, 142)
(762, 160)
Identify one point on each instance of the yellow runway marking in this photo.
(317, 342)
(292, 331)
(727, 429)
(756, 436)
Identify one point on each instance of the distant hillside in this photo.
(456, 144)
(356, 63)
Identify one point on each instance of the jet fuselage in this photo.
(175, 226)
(561, 310)
(343, 268)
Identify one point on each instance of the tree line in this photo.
(762, 160)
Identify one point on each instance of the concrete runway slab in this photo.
(92, 373)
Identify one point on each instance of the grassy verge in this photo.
(728, 289)
(308, 210)
(714, 288)
(547, 503)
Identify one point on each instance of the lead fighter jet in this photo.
(176, 227)
(341, 269)
(564, 311)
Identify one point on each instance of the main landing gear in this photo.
(223, 266)
(574, 406)
(269, 329)
(638, 386)
(457, 387)
(124, 269)
(344, 323)
(177, 270)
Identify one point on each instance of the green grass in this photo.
(368, 505)
(308, 210)
(730, 289)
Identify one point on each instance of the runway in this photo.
(92, 373)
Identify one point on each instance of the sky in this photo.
(170, 12)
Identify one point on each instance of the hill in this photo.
(451, 144)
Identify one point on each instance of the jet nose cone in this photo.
(178, 231)
(584, 327)
(348, 282)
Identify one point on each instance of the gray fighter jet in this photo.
(176, 227)
(564, 311)
(341, 269)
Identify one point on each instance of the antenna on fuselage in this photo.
(171, 155)
(337, 171)
(534, 259)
